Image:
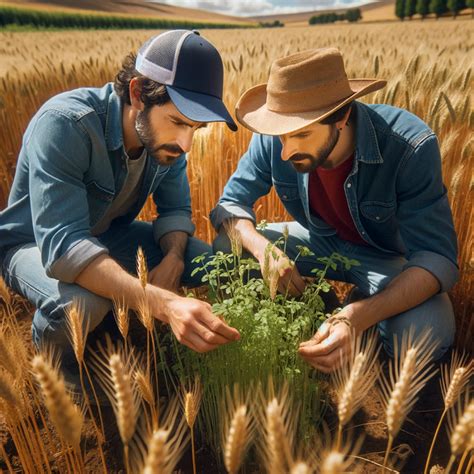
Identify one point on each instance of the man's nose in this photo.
(185, 140)
(287, 151)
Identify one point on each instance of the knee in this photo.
(222, 242)
(435, 315)
(50, 328)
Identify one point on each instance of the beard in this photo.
(306, 163)
(164, 154)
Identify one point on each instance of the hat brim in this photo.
(252, 112)
(200, 107)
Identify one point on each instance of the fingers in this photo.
(219, 327)
(322, 348)
(321, 334)
(197, 344)
(329, 363)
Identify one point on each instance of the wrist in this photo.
(159, 301)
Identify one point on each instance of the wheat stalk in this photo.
(355, 378)
(163, 446)
(192, 402)
(78, 328)
(409, 372)
(142, 270)
(65, 415)
(122, 318)
(453, 381)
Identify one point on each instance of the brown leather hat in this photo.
(303, 88)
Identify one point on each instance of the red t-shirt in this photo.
(328, 201)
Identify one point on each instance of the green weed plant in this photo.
(271, 328)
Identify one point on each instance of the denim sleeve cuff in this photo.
(163, 225)
(445, 271)
(229, 210)
(67, 267)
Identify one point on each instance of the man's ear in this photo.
(343, 122)
(135, 92)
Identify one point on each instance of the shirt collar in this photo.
(367, 147)
(113, 123)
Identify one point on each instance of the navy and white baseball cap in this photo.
(191, 69)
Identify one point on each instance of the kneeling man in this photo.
(361, 180)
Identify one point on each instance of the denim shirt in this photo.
(70, 168)
(394, 191)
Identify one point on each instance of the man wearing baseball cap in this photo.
(360, 180)
(90, 159)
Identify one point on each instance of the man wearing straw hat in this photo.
(89, 161)
(360, 180)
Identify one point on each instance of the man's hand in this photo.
(289, 277)
(328, 348)
(167, 274)
(195, 326)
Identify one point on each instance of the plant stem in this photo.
(387, 451)
(193, 450)
(427, 465)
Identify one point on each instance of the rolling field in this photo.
(428, 67)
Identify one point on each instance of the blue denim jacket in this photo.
(70, 168)
(395, 191)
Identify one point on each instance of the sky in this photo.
(263, 7)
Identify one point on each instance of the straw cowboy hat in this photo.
(303, 88)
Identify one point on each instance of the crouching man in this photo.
(361, 180)
(90, 159)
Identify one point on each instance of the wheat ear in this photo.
(142, 270)
(122, 318)
(115, 375)
(192, 402)
(163, 446)
(453, 381)
(238, 429)
(409, 372)
(461, 437)
(355, 378)
(65, 414)
(78, 328)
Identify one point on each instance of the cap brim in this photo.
(200, 107)
(252, 111)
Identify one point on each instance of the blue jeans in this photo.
(375, 272)
(24, 273)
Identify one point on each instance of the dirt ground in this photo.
(412, 444)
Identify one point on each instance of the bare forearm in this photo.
(174, 243)
(409, 289)
(106, 278)
(252, 240)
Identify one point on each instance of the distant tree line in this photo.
(408, 8)
(271, 24)
(10, 16)
(351, 15)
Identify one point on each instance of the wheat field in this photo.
(428, 67)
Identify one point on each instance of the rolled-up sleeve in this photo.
(424, 214)
(173, 202)
(59, 204)
(250, 181)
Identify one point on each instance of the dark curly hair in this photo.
(152, 93)
(339, 115)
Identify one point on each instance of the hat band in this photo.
(316, 97)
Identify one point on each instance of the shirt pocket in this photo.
(378, 211)
(286, 191)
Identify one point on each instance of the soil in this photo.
(411, 445)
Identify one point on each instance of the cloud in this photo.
(262, 7)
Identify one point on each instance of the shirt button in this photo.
(363, 233)
(349, 185)
(377, 218)
(285, 196)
